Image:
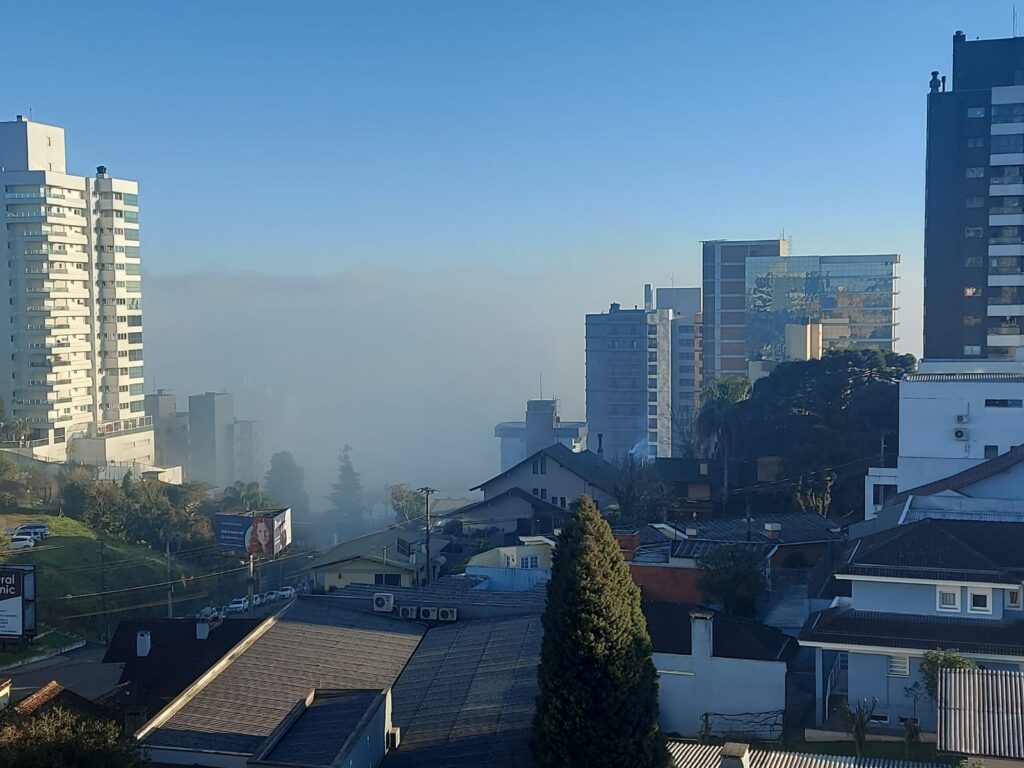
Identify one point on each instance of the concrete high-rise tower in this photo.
(71, 354)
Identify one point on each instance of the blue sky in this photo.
(575, 149)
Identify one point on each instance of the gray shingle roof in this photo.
(451, 591)
(315, 643)
(981, 713)
(687, 754)
(586, 465)
(797, 528)
(467, 696)
(732, 637)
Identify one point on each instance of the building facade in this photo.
(211, 439)
(974, 203)
(541, 428)
(250, 456)
(170, 428)
(72, 364)
(754, 289)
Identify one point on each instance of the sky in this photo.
(381, 223)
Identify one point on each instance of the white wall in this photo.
(557, 482)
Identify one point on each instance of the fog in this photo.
(413, 369)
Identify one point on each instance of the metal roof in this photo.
(687, 754)
(981, 712)
(450, 591)
(1009, 378)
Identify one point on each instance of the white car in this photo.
(269, 597)
(238, 605)
(22, 541)
(286, 593)
(257, 599)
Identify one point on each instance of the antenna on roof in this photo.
(540, 377)
(1015, 21)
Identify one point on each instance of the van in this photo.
(35, 530)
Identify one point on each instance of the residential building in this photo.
(954, 416)
(555, 476)
(541, 428)
(691, 754)
(513, 512)
(53, 695)
(390, 558)
(685, 304)
(305, 688)
(928, 585)
(974, 217)
(250, 456)
(981, 716)
(73, 360)
(754, 289)
(211, 439)
(718, 674)
(170, 429)
(516, 568)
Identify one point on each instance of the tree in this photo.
(732, 576)
(935, 661)
(718, 421)
(65, 740)
(815, 495)
(17, 429)
(642, 497)
(407, 503)
(598, 702)
(245, 497)
(857, 721)
(346, 495)
(286, 482)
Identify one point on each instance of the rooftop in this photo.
(732, 637)
(372, 547)
(967, 477)
(540, 506)
(53, 694)
(796, 528)
(686, 754)
(457, 591)
(586, 465)
(981, 713)
(945, 550)
(854, 628)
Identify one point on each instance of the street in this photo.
(82, 670)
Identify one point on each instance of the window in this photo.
(1006, 113)
(652, 370)
(974, 142)
(652, 410)
(975, 172)
(652, 437)
(544, 494)
(879, 718)
(973, 261)
(1003, 403)
(529, 561)
(543, 464)
(652, 383)
(991, 451)
(536, 491)
(899, 666)
(652, 330)
(1006, 174)
(974, 112)
(652, 423)
(1005, 236)
(972, 350)
(387, 579)
(948, 599)
(974, 231)
(972, 320)
(974, 202)
(1006, 204)
(652, 397)
(979, 600)
(1002, 145)
(972, 291)
(536, 466)
(1013, 598)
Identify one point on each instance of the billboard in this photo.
(264, 533)
(17, 601)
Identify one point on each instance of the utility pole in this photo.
(252, 566)
(426, 491)
(103, 589)
(170, 586)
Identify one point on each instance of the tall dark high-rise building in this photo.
(974, 217)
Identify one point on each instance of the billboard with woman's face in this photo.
(262, 534)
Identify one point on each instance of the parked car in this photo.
(286, 593)
(37, 531)
(238, 605)
(207, 613)
(257, 599)
(269, 597)
(22, 541)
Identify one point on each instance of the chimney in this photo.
(202, 630)
(773, 530)
(142, 643)
(735, 755)
(600, 444)
(701, 634)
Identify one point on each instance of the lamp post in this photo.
(426, 491)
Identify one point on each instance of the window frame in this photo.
(1020, 600)
(979, 591)
(955, 591)
(899, 666)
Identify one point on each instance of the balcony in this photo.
(23, 195)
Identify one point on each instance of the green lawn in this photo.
(68, 566)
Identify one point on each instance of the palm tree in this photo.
(717, 420)
(17, 429)
(246, 497)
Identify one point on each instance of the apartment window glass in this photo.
(387, 579)
(1004, 235)
(948, 599)
(899, 666)
(1005, 204)
(979, 600)
(544, 494)
(1004, 113)
(652, 383)
(974, 112)
(135, 373)
(974, 202)
(543, 464)
(1003, 403)
(1002, 145)
(975, 142)
(974, 231)
(991, 451)
(972, 291)
(1006, 174)
(973, 261)
(975, 172)
(652, 437)
(652, 410)
(971, 321)
(652, 357)
(536, 466)
(652, 370)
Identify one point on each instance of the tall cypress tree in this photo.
(598, 703)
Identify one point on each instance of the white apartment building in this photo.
(71, 357)
(954, 415)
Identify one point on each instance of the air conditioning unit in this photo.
(408, 611)
(394, 738)
(428, 614)
(447, 614)
(959, 433)
(383, 602)
(962, 418)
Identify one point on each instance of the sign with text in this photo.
(17, 601)
(265, 533)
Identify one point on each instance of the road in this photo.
(82, 671)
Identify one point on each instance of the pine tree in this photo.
(598, 703)
(347, 495)
(285, 482)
